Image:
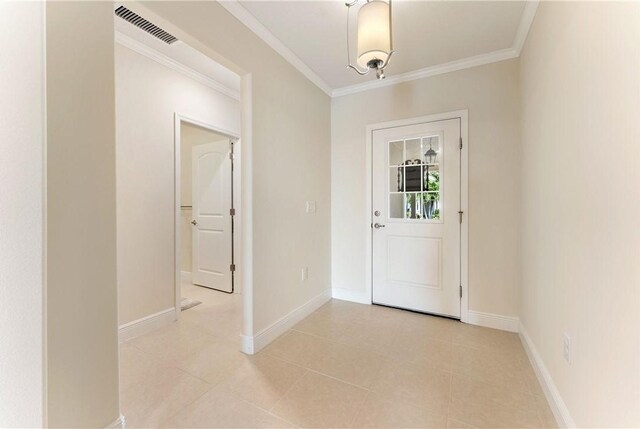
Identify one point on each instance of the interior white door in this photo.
(416, 219)
(211, 224)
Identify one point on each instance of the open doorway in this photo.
(206, 226)
(162, 90)
(159, 87)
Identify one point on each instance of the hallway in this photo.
(347, 365)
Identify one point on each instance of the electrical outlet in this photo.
(566, 347)
(311, 207)
(305, 273)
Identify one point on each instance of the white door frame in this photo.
(463, 115)
(237, 204)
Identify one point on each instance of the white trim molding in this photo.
(166, 61)
(185, 276)
(251, 345)
(146, 324)
(495, 321)
(342, 294)
(551, 392)
(179, 118)
(119, 423)
(245, 17)
(245, 278)
(464, 63)
(235, 8)
(526, 20)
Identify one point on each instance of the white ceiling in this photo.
(426, 33)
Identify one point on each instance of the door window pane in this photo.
(396, 152)
(412, 179)
(413, 207)
(431, 205)
(431, 179)
(396, 179)
(414, 151)
(414, 186)
(431, 150)
(396, 205)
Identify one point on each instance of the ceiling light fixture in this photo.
(375, 41)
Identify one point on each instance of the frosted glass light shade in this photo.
(374, 32)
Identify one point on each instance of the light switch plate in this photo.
(311, 207)
(305, 273)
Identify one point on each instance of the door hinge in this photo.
(231, 156)
(460, 213)
(232, 267)
(460, 291)
(232, 212)
(460, 143)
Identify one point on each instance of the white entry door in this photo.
(416, 219)
(211, 224)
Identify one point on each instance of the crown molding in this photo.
(161, 58)
(465, 63)
(526, 20)
(252, 23)
(245, 17)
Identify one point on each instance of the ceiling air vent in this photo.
(142, 23)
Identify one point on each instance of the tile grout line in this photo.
(338, 379)
(269, 412)
(453, 340)
(357, 411)
(286, 392)
(171, 416)
(451, 373)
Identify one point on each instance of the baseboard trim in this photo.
(185, 276)
(247, 344)
(251, 345)
(119, 423)
(146, 324)
(495, 321)
(361, 297)
(551, 392)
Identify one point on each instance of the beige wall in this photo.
(291, 159)
(147, 96)
(22, 148)
(580, 77)
(190, 136)
(82, 343)
(490, 93)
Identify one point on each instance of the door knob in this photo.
(378, 225)
(194, 222)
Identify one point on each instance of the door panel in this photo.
(211, 243)
(416, 199)
(406, 257)
(212, 239)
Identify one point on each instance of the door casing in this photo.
(237, 232)
(463, 115)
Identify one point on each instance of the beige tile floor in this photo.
(346, 365)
